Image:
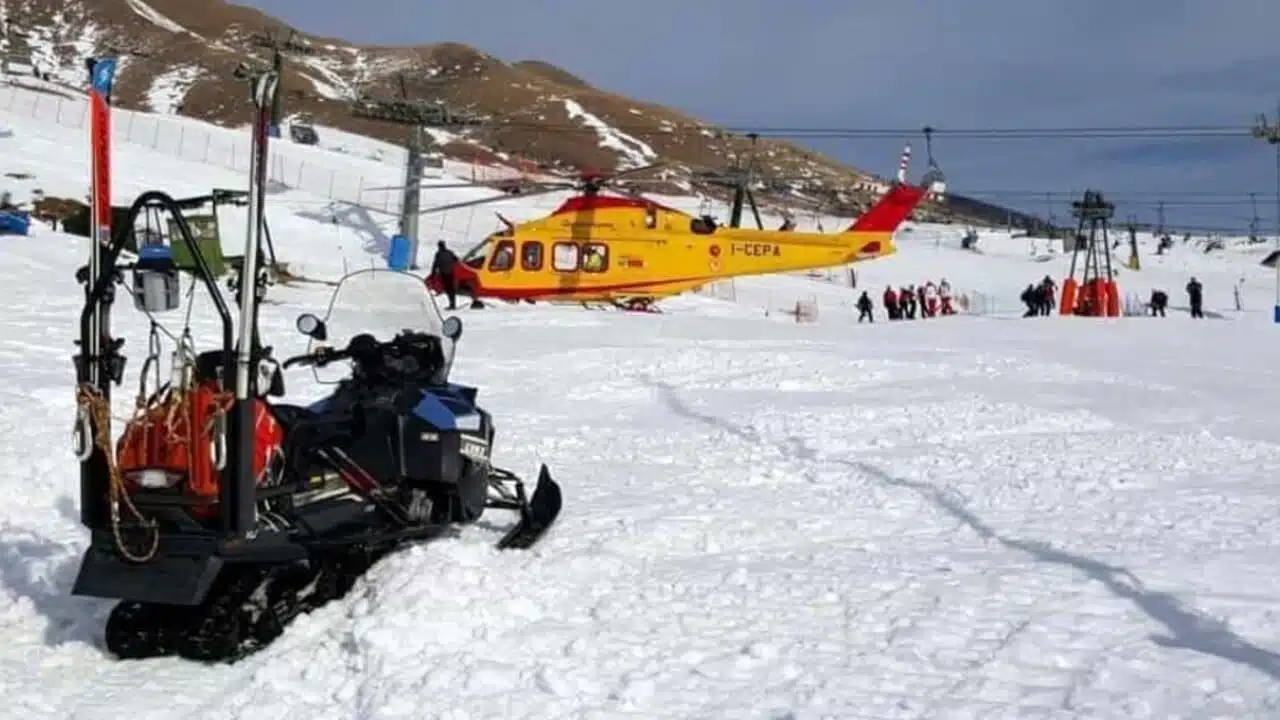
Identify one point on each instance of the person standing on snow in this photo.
(865, 307)
(1033, 298)
(1159, 301)
(1195, 294)
(920, 299)
(442, 266)
(944, 297)
(1047, 289)
(931, 298)
(907, 302)
(891, 303)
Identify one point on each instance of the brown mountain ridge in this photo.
(181, 55)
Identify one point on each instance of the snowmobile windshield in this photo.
(383, 303)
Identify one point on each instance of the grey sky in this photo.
(905, 64)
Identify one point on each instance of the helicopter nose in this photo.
(464, 276)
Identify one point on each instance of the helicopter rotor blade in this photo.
(486, 201)
(634, 171)
(448, 186)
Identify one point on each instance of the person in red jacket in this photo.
(944, 298)
(931, 299)
(891, 303)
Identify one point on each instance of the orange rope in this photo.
(176, 406)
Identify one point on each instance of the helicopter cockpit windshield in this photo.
(385, 303)
(474, 258)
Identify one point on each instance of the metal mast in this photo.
(416, 115)
(1271, 133)
(290, 45)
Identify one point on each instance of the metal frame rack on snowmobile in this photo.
(215, 588)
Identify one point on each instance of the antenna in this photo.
(903, 162)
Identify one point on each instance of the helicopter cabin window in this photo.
(504, 257)
(531, 256)
(595, 257)
(564, 257)
(703, 225)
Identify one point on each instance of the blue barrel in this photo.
(14, 223)
(398, 253)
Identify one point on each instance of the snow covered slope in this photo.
(956, 518)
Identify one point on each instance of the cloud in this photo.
(949, 64)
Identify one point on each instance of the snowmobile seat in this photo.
(302, 429)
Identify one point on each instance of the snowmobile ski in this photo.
(536, 515)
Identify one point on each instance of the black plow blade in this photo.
(536, 516)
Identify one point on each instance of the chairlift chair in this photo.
(934, 179)
(303, 132)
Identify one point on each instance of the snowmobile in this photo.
(222, 512)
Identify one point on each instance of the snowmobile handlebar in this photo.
(321, 356)
(380, 358)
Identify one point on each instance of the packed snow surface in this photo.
(961, 517)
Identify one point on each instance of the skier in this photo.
(931, 298)
(864, 308)
(1047, 289)
(1159, 301)
(1031, 297)
(907, 302)
(920, 299)
(442, 266)
(1195, 294)
(891, 303)
(944, 295)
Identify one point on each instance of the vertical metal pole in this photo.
(1274, 139)
(237, 497)
(411, 204)
(277, 65)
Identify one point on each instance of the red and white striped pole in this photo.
(902, 164)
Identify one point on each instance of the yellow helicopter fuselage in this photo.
(598, 247)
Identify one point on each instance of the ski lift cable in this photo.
(1149, 195)
(1093, 132)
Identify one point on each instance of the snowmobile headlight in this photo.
(155, 479)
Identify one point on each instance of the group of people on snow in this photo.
(1195, 297)
(929, 299)
(1039, 297)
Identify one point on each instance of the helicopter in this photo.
(629, 251)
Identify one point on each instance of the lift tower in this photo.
(292, 44)
(1270, 132)
(416, 115)
(1094, 294)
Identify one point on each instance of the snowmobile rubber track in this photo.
(248, 608)
(250, 605)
